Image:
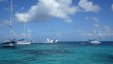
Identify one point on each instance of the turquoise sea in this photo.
(59, 53)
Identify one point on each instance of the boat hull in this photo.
(95, 42)
(8, 44)
(23, 43)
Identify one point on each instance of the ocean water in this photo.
(59, 53)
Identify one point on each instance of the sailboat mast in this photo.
(11, 17)
(96, 32)
(24, 29)
(28, 32)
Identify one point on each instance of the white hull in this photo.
(50, 42)
(95, 42)
(23, 42)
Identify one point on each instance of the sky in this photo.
(64, 20)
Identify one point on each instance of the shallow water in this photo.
(60, 53)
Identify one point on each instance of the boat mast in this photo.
(29, 34)
(26, 27)
(95, 32)
(10, 26)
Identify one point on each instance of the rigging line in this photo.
(28, 31)
(95, 32)
(24, 27)
(12, 31)
(10, 17)
(24, 30)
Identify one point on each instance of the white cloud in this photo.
(48, 8)
(102, 31)
(62, 9)
(105, 31)
(89, 6)
(86, 34)
(4, 23)
(1, 0)
(95, 19)
(112, 7)
(108, 29)
(23, 17)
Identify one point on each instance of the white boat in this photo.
(27, 35)
(23, 42)
(94, 42)
(95, 36)
(10, 42)
(51, 41)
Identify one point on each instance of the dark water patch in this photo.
(38, 59)
(30, 59)
(8, 48)
(12, 61)
(44, 52)
(103, 57)
(24, 60)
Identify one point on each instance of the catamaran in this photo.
(10, 42)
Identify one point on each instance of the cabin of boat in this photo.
(8, 43)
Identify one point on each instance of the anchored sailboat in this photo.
(95, 35)
(10, 42)
(27, 35)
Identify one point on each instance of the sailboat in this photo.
(26, 35)
(94, 41)
(10, 42)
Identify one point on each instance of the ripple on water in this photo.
(44, 52)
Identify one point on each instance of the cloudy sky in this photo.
(65, 20)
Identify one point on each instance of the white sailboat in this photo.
(95, 42)
(95, 35)
(10, 42)
(26, 35)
